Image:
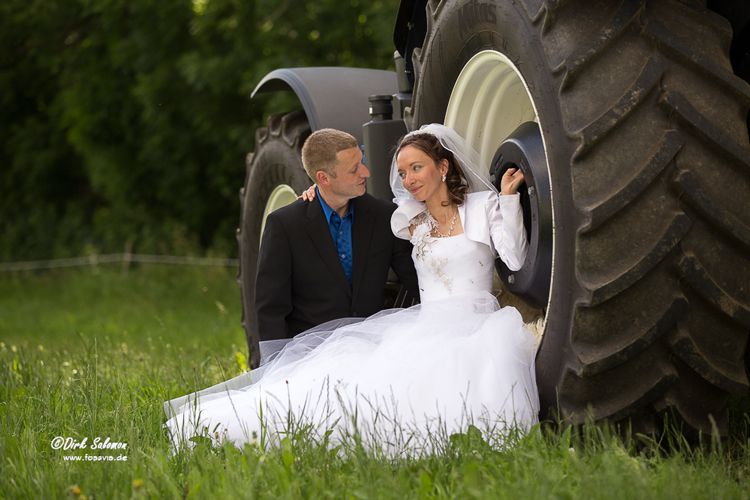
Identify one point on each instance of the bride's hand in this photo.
(511, 181)
(308, 194)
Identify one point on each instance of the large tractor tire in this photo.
(273, 179)
(644, 128)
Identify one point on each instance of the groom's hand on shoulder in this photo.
(308, 194)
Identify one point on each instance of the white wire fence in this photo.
(125, 259)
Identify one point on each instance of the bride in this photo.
(402, 380)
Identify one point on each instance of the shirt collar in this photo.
(327, 210)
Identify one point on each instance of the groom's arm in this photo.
(273, 283)
(403, 266)
(401, 261)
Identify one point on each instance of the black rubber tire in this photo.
(277, 160)
(645, 130)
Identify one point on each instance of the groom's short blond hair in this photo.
(320, 149)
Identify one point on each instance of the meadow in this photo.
(94, 352)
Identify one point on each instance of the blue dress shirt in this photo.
(341, 232)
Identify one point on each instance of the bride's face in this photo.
(421, 175)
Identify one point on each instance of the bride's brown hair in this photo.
(455, 179)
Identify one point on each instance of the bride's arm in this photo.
(507, 231)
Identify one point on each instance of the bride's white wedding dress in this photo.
(402, 379)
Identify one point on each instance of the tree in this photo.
(129, 120)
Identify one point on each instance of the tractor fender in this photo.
(332, 97)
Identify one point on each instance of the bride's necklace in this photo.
(451, 225)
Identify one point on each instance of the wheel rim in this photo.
(281, 196)
(489, 101)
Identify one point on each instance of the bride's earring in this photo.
(443, 177)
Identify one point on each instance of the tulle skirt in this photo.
(402, 380)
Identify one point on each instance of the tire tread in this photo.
(707, 377)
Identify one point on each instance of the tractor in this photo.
(630, 122)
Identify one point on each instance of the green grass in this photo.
(95, 352)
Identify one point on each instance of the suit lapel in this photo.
(317, 229)
(364, 223)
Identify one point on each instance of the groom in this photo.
(328, 258)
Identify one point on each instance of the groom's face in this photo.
(351, 174)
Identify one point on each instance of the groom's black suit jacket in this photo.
(300, 281)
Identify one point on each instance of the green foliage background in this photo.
(126, 122)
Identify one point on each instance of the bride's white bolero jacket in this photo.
(486, 217)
